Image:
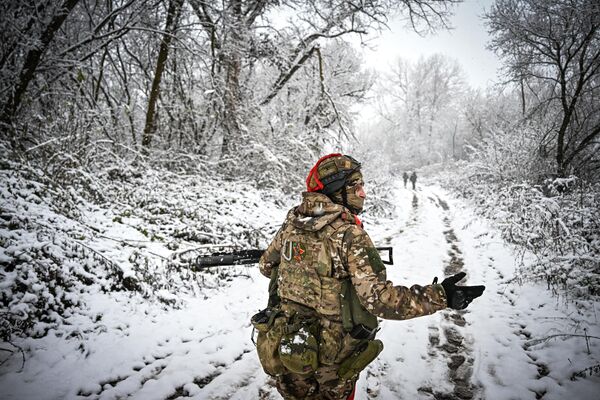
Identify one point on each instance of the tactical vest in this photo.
(311, 273)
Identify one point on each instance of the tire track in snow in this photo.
(447, 340)
(411, 222)
(413, 219)
(376, 371)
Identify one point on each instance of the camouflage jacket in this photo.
(348, 253)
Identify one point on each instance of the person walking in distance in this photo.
(413, 179)
(405, 178)
(328, 287)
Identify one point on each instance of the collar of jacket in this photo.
(317, 210)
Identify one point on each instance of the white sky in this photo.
(465, 43)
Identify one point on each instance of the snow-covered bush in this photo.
(509, 152)
(118, 228)
(44, 262)
(558, 221)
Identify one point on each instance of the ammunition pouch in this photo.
(299, 347)
(270, 324)
(286, 343)
(359, 360)
(357, 321)
(360, 326)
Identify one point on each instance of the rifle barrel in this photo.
(235, 258)
(252, 256)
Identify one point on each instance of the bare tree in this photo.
(426, 97)
(32, 60)
(231, 79)
(242, 31)
(81, 84)
(556, 43)
(170, 25)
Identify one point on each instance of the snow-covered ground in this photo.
(518, 341)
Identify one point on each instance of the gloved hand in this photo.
(459, 297)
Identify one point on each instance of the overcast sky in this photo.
(466, 43)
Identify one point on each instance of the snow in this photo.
(126, 345)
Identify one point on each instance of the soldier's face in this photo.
(356, 195)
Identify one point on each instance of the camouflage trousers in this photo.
(325, 384)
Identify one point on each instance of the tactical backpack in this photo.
(295, 338)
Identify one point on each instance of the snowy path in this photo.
(431, 356)
(204, 350)
(484, 351)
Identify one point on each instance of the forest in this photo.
(137, 134)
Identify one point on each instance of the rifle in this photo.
(239, 257)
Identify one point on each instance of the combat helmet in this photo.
(331, 174)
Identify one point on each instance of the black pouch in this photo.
(362, 332)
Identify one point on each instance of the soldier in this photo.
(405, 178)
(328, 286)
(413, 179)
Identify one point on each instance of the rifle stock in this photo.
(239, 257)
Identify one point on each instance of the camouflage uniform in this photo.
(320, 245)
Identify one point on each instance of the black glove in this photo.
(459, 297)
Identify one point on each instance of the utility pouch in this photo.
(270, 324)
(359, 360)
(356, 319)
(299, 348)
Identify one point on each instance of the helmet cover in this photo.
(331, 173)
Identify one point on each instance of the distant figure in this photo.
(405, 178)
(413, 179)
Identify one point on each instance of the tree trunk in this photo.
(232, 61)
(568, 105)
(32, 61)
(170, 25)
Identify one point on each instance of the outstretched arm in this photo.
(378, 295)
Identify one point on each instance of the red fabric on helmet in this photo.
(351, 397)
(313, 172)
